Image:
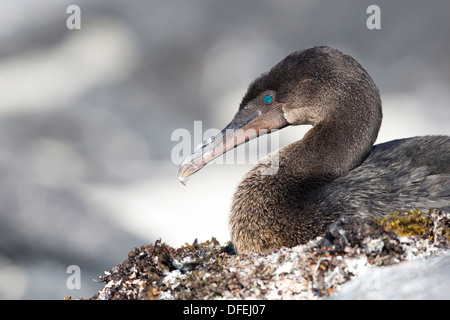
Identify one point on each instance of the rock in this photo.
(419, 280)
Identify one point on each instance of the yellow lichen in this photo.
(412, 222)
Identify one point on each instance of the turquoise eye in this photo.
(268, 99)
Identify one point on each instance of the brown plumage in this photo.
(292, 195)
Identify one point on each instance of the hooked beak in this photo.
(240, 130)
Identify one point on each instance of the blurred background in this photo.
(87, 116)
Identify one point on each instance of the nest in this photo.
(315, 270)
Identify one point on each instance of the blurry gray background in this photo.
(86, 116)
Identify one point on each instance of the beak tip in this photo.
(183, 180)
(181, 174)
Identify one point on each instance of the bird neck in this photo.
(328, 150)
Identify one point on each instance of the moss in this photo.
(413, 223)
